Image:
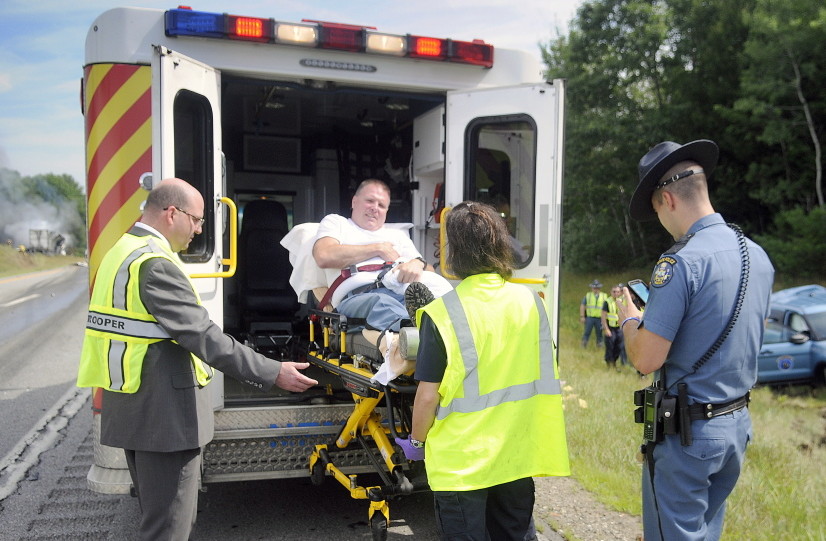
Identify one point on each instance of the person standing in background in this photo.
(614, 343)
(590, 313)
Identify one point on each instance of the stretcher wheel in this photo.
(378, 526)
(318, 473)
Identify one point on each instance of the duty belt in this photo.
(708, 411)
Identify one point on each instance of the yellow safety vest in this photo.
(593, 304)
(611, 315)
(119, 328)
(500, 409)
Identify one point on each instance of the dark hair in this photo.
(477, 241)
(167, 195)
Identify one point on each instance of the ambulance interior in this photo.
(295, 152)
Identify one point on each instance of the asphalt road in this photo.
(42, 316)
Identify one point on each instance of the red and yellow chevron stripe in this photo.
(118, 109)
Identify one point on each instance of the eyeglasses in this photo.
(198, 221)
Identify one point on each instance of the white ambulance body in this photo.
(254, 109)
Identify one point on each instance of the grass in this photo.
(781, 493)
(13, 262)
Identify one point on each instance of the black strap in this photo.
(699, 411)
(738, 304)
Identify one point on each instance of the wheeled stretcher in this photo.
(380, 414)
(381, 411)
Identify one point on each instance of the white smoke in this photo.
(19, 213)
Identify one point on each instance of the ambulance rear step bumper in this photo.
(276, 442)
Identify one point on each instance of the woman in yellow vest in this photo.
(488, 412)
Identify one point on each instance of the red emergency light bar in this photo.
(249, 28)
(343, 37)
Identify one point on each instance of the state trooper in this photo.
(700, 333)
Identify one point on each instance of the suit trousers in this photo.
(167, 487)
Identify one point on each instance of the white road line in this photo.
(24, 455)
(20, 300)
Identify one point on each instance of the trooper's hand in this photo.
(290, 379)
(410, 452)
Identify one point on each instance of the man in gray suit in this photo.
(151, 345)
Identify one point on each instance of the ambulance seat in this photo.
(264, 267)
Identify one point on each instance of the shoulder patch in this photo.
(663, 271)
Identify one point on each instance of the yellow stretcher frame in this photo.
(363, 422)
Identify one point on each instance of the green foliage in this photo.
(797, 246)
(744, 73)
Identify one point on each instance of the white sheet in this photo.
(306, 274)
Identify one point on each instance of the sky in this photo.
(42, 49)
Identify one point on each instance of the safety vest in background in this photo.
(611, 315)
(500, 410)
(593, 303)
(119, 328)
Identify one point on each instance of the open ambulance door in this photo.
(504, 146)
(186, 129)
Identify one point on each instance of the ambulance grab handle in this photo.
(232, 261)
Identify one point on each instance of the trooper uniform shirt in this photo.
(693, 292)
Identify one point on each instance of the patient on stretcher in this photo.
(319, 252)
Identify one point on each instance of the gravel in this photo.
(564, 507)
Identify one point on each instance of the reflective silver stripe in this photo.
(121, 325)
(125, 326)
(116, 353)
(119, 288)
(472, 400)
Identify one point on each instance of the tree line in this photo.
(748, 74)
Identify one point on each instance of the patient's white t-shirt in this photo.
(345, 231)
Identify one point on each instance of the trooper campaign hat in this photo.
(658, 161)
(595, 283)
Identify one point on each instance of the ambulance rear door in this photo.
(504, 146)
(186, 129)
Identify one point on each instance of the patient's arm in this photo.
(330, 254)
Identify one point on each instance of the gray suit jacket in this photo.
(170, 412)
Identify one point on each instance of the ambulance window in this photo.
(501, 172)
(194, 151)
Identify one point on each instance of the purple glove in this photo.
(410, 452)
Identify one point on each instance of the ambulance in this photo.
(276, 123)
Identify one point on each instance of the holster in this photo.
(662, 414)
